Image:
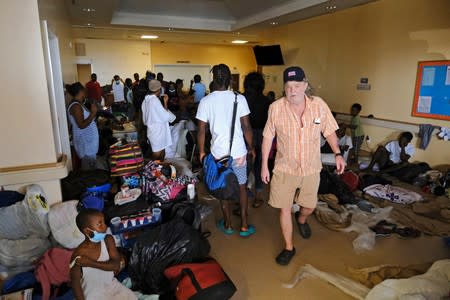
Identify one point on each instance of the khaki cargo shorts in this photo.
(283, 189)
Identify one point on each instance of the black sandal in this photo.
(285, 257)
(304, 229)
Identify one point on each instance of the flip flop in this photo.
(221, 226)
(250, 231)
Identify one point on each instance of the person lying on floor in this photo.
(95, 261)
(394, 154)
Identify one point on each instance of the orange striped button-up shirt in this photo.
(298, 148)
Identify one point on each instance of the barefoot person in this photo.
(297, 120)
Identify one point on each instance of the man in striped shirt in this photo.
(297, 120)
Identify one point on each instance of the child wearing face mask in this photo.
(95, 261)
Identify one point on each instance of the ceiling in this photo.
(211, 21)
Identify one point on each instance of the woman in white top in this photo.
(157, 118)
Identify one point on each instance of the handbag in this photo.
(200, 281)
(218, 175)
(125, 159)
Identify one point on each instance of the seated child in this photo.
(394, 153)
(95, 261)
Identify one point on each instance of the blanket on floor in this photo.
(405, 215)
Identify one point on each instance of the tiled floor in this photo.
(250, 262)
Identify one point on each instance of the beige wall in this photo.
(55, 12)
(383, 41)
(121, 57)
(26, 133)
(240, 59)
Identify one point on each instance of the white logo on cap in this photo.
(291, 73)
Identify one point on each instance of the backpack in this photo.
(74, 185)
(351, 179)
(200, 281)
(218, 176)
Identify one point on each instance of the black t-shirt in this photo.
(259, 107)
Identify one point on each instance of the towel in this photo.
(425, 132)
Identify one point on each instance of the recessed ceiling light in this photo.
(330, 7)
(273, 23)
(170, 29)
(239, 42)
(90, 24)
(149, 36)
(89, 9)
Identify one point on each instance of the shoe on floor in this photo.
(285, 257)
(221, 227)
(304, 229)
(407, 233)
(250, 231)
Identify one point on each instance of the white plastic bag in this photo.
(15, 253)
(26, 218)
(364, 242)
(61, 219)
(361, 221)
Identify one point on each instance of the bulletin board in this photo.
(432, 95)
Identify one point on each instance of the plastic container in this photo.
(156, 213)
(115, 223)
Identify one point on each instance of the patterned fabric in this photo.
(393, 193)
(125, 159)
(164, 188)
(298, 141)
(241, 172)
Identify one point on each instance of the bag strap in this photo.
(191, 275)
(233, 120)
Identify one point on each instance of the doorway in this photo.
(235, 80)
(84, 73)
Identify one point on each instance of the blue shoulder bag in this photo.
(218, 175)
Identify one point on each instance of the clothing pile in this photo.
(350, 218)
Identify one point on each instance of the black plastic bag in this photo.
(78, 181)
(333, 184)
(167, 245)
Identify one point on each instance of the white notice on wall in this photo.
(447, 77)
(424, 105)
(428, 76)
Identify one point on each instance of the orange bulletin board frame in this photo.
(417, 94)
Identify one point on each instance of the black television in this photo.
(268, 55)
